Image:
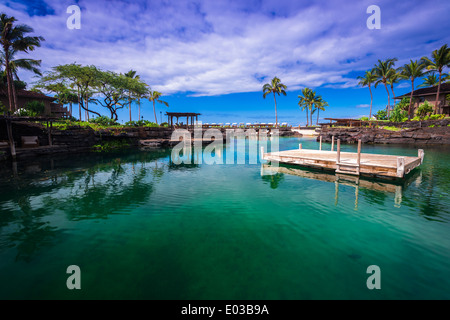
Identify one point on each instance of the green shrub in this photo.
(390, 128)
(35, 107)
(364, 118)
(110, 145)
(424, 110)
(404, 104)
(104, 121)
(437, 116)
(22, 112)
(431, 126)
(416, 118)
(381, 115)
(141, 123)
(397, 114)
(151, 125)
(3, 108)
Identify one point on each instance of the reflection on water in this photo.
(91, 186)
(275, 174)
(197, 231)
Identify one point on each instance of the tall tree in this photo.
(446, 77)
(384, 70)
(303, 104)
(430, 80)
(307, 102)
(73, 76)
(13, 38)
(320, 104)
(275, 87)
(63, 94)
(154, 96)
(394, 79)
(132, 75)
(113, 88)
(17, 64)
(440, 59)
(412, 71)
(367, 80)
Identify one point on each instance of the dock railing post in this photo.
(400, 167)
(358, 159)
(12, 145)
(49, 128)
(262, 153)
(300, 146)
(421, 155)
(332, 143)
(338, 155)
(320, 144)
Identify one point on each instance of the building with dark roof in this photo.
(25, 96)
(429, 94)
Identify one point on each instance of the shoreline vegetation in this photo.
(74, 84)
(72, 137)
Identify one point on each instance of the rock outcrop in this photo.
(425, 135)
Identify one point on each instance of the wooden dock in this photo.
(351, 163)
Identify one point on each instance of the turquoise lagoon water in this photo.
(141, 227)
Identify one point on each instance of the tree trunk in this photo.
(410, 98)
(70, 109)
(91, 111)
(317, 122)
(79, 100)
(371, 102)
(87, 107)
(437, 95)
(307, 117)
(8, 80)
(129, 107)
(393, 94)
(14, 94)
(154, 112)
(389, 101)
(310, 115)
(139, 106)
(276, 115)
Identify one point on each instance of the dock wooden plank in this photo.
(370, 164)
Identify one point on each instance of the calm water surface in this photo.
(142, 227)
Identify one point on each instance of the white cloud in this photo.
(214, 47)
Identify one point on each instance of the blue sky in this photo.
(213, 56)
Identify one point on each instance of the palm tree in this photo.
(320, 104)
(132, 75)
(383, 71)
(154, 96)
(440, 59)
(430, 80)
(412, 71)
(16, 64)
(307, 101)
(13, 39)
(366, 80)
(303, 103)
(275, 87)
(394, 79)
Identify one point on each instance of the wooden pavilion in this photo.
(190, 116)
